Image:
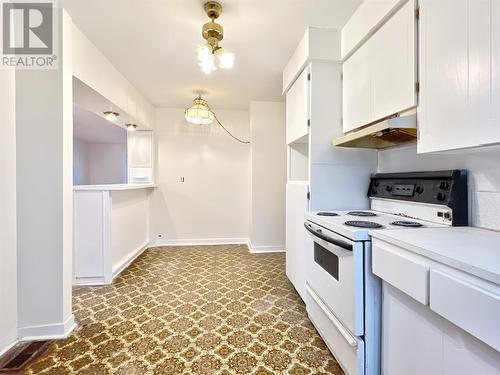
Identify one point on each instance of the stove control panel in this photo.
(445, 188)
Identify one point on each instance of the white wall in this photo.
(81, 162)
(268, 176)
(484, 176)
(212, 205)
(129, 225)
(44, 138)
(99, 163)
(8, 253)
(107, 163)
(95, 70)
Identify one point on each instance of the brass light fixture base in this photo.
(213, 9)
(213, 32)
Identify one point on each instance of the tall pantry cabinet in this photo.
(320, 176)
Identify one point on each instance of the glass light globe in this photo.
(199, 113)
(111, 115)
(204, 53)
(206, 59)
(207, 67)
(226, 58)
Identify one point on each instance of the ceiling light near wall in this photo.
(201, 114)
(111, 115)
(131, 127)
(213, 33)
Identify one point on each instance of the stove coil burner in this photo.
(325, 213)
(409, 224)
(361, 213)
(363, 224)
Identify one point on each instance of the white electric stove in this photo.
(343, 295)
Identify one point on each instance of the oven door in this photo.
(335, 275)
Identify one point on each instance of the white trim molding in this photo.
(48, 331)
(90, 281)
(265, 249)
(119, 268)
(8, 347)
(202, 242)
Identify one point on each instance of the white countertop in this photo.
(472, 250)
(113, 187)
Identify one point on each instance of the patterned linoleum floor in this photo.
(192, 310)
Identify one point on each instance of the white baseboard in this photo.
(6, 347)
(202, 242)
(89, 281)
(48, 331)
(265, 249)
(125, 263)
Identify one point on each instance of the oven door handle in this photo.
(319, 233)
(332, 318)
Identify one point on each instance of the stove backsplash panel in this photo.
(483, 166)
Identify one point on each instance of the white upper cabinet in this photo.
(459, 74)
(357, 90)
(140, 156)
(379, 78)
(365, 21)
(297, 108)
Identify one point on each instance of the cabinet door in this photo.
(140, 156)
(356, 91)
(392, 54)
(379, 78)
(140, 146)
(297, 108)
(459, 79)
(296, 237)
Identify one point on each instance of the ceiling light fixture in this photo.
(111, 115)
(201, 114)
(213, 33)
(131, 127)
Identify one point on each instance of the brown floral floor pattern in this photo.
(192, 310)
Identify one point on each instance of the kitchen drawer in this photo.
(470, 307)
(349, 350)
(402, 270)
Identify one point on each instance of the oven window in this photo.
(327, 260)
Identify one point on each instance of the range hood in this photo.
(389, 132)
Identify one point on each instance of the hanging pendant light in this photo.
(199, 113)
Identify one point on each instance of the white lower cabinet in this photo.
(453, 331)
(470, 306)
(297, 205)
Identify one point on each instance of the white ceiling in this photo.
(152, 42)
(92, 128)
